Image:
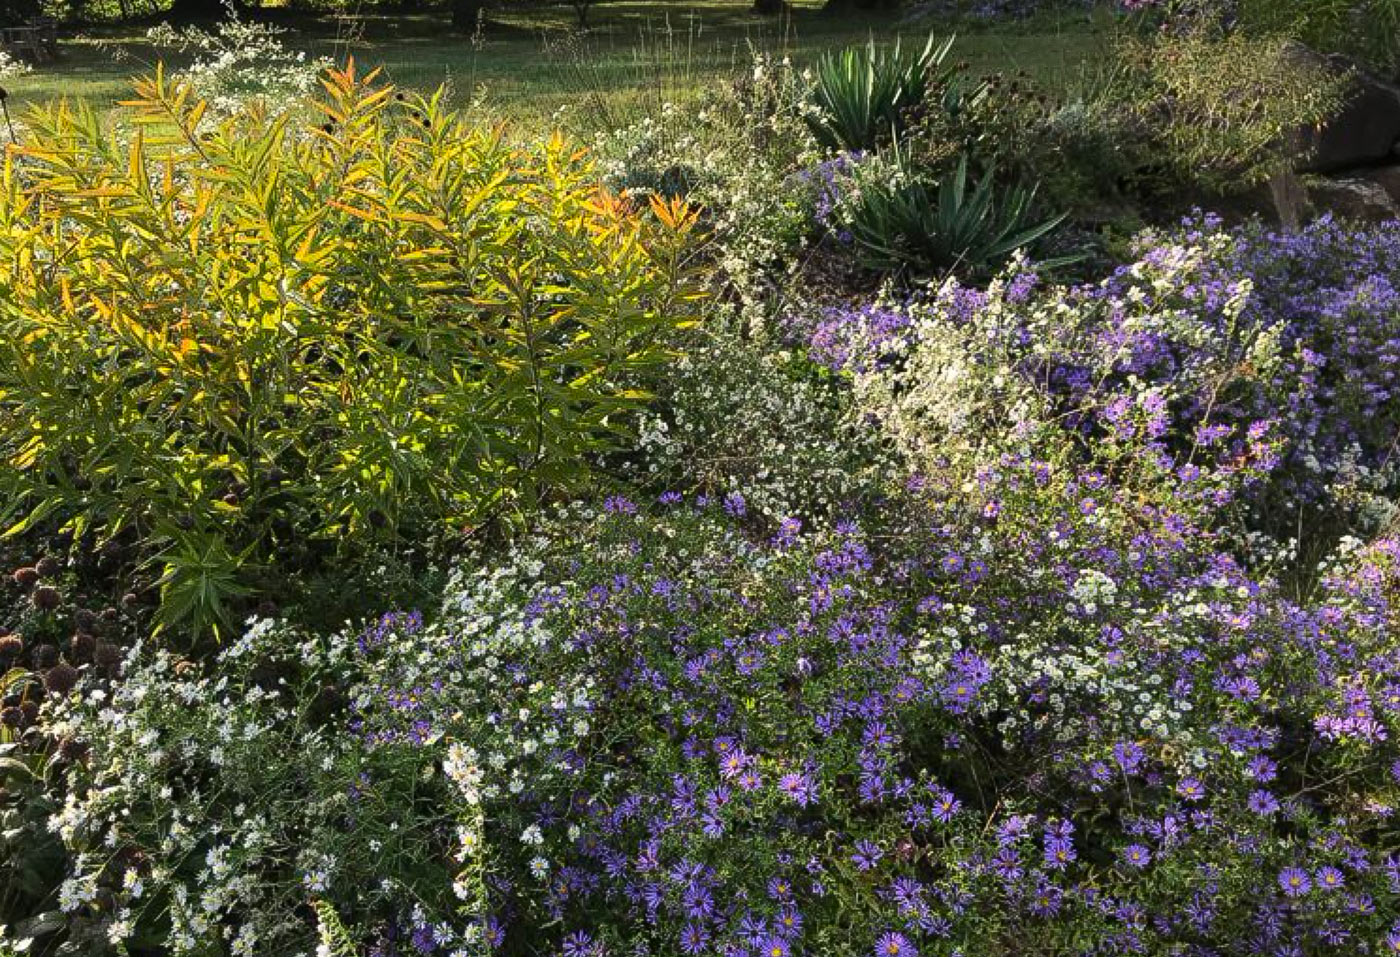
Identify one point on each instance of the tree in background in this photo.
(847, 6)
(14, 12)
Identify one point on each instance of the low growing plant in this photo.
(1037, 710)
(901, 217)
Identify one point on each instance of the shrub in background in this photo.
(1223, 110)
(1191, 111)
(733, 154)
(1166, 118)
(1074, 142)
(11, 68)
(241, 61)
(1368, 29)
(253, 341)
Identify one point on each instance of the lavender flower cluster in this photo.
(1209, 334)
(1052, 716)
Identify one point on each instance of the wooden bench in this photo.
(35, 42)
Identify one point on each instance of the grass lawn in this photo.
(531, 61)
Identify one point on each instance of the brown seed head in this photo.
(46, 598)
(107, 654)
(71, 749)
(82, 645)
(61, 678)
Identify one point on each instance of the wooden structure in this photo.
(36, 41)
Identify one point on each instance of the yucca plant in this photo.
(904, 222)
(863, 95)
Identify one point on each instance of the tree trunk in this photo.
(466, 15)
(1289, 198)
(197, 11)
(847, 6)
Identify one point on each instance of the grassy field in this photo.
(531, 61)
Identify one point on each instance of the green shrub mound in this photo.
(257, 343)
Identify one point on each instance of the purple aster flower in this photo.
(945, 806)
(618, 505)
(695, 938)
(1262, 769)
(1328, 878)
(1007, 865)
(1191, 789)
(734, 762)
(1262, 803)
(1137, 856)
(775, 946)
(581, 944)
(894, 944)
(789, 921)
(734, 504)
(1129, 756)
(867, 855)
(1294, 881)
(799, 787)
(1047, 900)
(1059, 852)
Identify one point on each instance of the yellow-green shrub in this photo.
(240, 338)
(1222, 111)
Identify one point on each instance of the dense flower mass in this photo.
(1027, 618)
(1071, 719)
(1212, 338)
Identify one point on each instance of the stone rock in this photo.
(1366, 131)
(1386, 177)
(1353, 197)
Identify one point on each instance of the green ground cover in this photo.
(531, 61)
